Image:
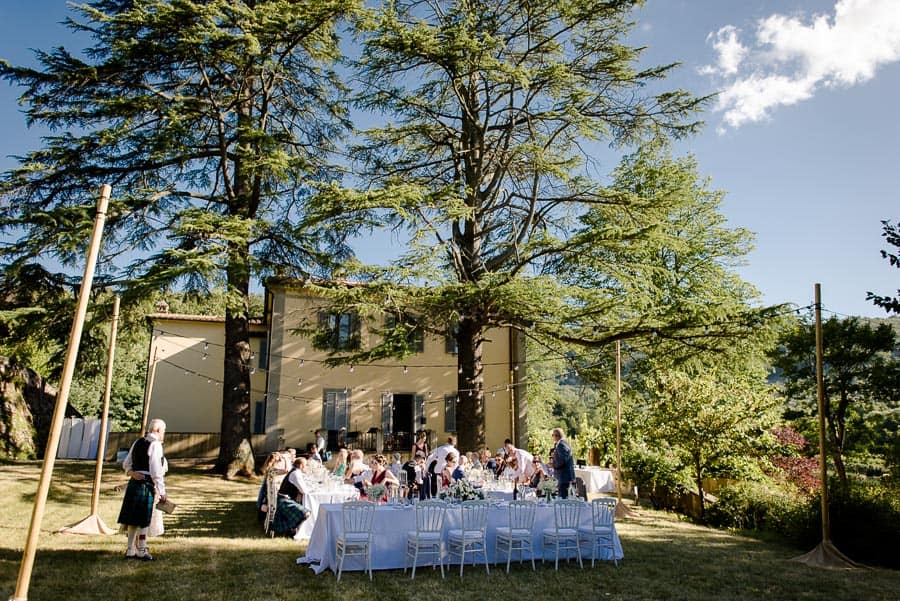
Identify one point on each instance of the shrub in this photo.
(754, 506)
(656, 472)
(865, 521)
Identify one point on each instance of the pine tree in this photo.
(494, 113)
(207, 119)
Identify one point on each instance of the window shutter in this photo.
(387, 412)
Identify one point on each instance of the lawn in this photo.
(214, 549)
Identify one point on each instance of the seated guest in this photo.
(312, 452)
(341, 460)
(545, 467)
(540, 472)
(381, 475)
(291, 512)
(279, 462)
(447, 474)
(415, 471)
(460, 472)
(487, 462)
(356, 468)
(396, 466)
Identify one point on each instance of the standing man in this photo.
(563, 463)
(145, 466)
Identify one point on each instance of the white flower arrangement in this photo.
(375, 492)
(548, 486)
(461, 490)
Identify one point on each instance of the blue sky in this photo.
(804, 137)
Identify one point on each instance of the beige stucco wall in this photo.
(296, 391)
(187, 383)
(187, 389)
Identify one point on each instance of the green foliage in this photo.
(860, 373)
(208, 119)
(656, 470)
(891, 235)
(752, 505)
(486, 158)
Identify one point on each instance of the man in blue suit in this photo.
(563, 463)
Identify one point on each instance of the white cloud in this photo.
(792, 59)
(731, 51)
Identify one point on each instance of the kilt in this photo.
(288, 516)
(137, 506)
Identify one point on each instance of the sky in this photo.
(803, 135)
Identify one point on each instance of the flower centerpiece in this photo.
(461, 490)
(548, 486)
(375, 492)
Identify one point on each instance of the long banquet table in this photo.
(315, 498)
(392, 522)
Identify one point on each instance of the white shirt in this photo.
(157, 466)
(440, 454)
(297, 478)
(525, 461)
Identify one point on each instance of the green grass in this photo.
(214, 549)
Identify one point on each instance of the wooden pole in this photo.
(94, 524)
(62, 397)
(621, 510)
(619, 421)
(825, 554)
(820, 399)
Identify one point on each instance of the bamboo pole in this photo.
(62, 398)
(820, 400)
(621, 510)
(94, 524)
(825, 554)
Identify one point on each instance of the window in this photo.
(337, 332)
(263, 353)
(408, 328)
(450, 345)
(259, 418)
(336, 410)
(450, 413)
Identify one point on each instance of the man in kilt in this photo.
(290, 512)
(144, 464)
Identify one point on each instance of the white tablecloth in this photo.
(597, 479)
(393, 522)
(314, 499)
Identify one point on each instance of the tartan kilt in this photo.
(137, 506)
(289, 515)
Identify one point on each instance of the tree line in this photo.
(522, 152)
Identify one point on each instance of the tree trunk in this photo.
(470, 387)
(838, 423)
(698, 470)
(235, 450)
